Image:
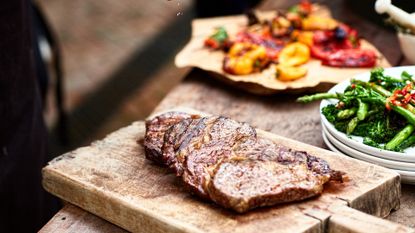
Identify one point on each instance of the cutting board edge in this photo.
(380, 208)
(53, 178)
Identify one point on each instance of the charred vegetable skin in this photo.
(218, 40)
(381, 110)
(245, 58)
(334, 43)
(340, 47)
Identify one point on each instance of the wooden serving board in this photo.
(112, 179)
(194, 54)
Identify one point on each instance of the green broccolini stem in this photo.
(380, 90)
(362, 110)
(408, 115)
(352, 125)
(318, 96)
(373, 86)
(346, 113)
(386, 93)
(400, 137)
(410, 108)
(410, 141)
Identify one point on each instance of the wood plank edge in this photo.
(381, 200)
(345, 219)
(95, 202)
(73, 219)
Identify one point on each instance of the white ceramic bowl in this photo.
(405, 166)
(357, 142)
(407, 43)
(407, 177)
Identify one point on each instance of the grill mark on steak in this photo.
(173, 137)
(155, 130)
(212, 144)
(223, 160)
(262, 173)
(247, 184)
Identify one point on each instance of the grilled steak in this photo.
(263, 174)
(155, 130)
(246, 184)
(223, 160)
(208, 142)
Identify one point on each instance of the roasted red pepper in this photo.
(340, 48)
(351, 58)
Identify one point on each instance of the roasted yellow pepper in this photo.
(318, 23)
(245, 58)
(290, 73)
(294, 54)
(305, 37)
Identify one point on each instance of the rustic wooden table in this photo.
(279, 114)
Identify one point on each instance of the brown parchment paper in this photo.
(194, 54)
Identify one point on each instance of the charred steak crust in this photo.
(247, 184)
(224, 160)
(174, 136)
(212, 143)
(155, 130)
(263, 174)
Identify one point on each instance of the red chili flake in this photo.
(407, 89)
(387, 105)
(407, 98)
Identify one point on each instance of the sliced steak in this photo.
(246, 184)
(209, 142)
(223, 160)
(155, 130)
(263, 174)
(178, 135)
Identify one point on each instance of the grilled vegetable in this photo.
(245, 58)
(294, 54)
(290, 73)
(351, 58)
(305, 37)
(218, 39)
(318, 23)
(399, 137)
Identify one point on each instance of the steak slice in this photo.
(155, 130)
(177, 135)
(263, 173)
(206, 144)
(247, 184)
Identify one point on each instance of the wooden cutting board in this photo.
(112, 179)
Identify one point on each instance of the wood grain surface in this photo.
(73, 219)
(112, 179)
